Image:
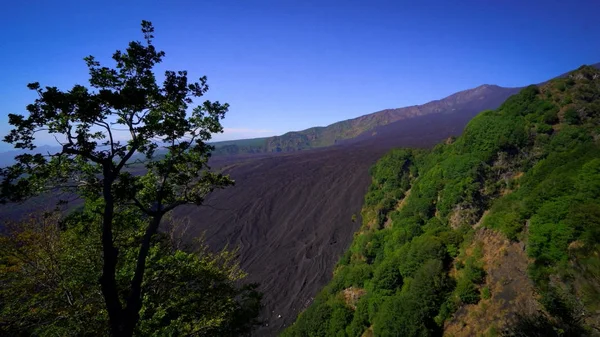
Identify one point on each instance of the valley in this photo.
(291, 213)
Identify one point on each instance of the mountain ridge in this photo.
(321, 136)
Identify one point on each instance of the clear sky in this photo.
(288, 65)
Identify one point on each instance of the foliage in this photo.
(485, 293)
(411, 312)
(470, 276)
(387, 276)
(95, 162)
(45, 281)
(315, 322)
(360, 319)
(48, 267)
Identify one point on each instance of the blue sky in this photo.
(288, 65)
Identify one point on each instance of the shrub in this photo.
(485, 293)
(387, 276)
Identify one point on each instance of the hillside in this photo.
(477, 99)
(292, 214)
(494, 232)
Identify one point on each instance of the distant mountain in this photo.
(472, 101)
(476, 99)
(8, 157)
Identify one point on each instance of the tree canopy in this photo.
(165, 141)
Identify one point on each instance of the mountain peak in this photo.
(486, 86)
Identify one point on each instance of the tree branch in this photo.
(61, 144)
(106, 126)
(66, 149)
(170, 207)
(134, 300)
(134, 145)
(140, 118)
(125, 158)
(142, 208)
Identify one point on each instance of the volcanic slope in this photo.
(292, 213)
(476, 99)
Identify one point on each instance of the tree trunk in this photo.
(134, 301)
(108, 281)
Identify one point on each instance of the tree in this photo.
(94, 160)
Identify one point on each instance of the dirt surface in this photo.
(511, 290)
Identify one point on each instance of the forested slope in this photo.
(521, 186)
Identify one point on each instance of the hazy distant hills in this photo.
(8, 157)
(476, 99)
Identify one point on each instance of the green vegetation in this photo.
(289, 142)
(305, 139)
(533, 164)
(233, 147)
(144, 285)
(313, 137)
(49, 268)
